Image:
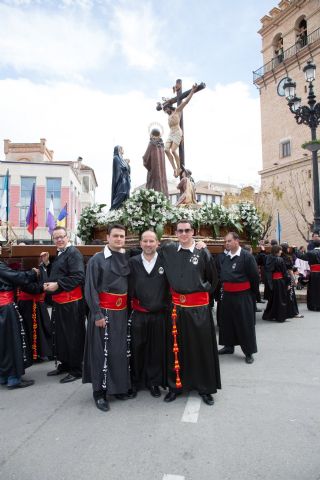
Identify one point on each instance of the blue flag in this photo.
(279, 229)
(4, 204)
(62, 217)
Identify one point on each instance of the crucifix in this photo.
(175, 121)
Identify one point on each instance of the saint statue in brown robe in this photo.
(154, 161)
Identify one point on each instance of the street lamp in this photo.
(308, 115)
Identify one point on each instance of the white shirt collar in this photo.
(149, 264)
(107, 252)
(180, 247)
(61, 250)
(236, 254)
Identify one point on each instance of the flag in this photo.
(31, 218)
(278, 228)
(50, 217)
(4, 205)
(62, 218)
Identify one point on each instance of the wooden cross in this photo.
(180, 95)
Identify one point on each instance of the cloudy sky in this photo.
(86, 75)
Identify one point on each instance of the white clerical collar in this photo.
(107, 252)
(180, 247)
(236, 254)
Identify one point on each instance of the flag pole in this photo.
(33, 200)
(7, 208)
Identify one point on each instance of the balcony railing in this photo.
(288, 53)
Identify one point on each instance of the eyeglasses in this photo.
(184, 230)
(61, 237)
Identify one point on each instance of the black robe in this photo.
(148, 329)
(313, 288)
(189, 272)
(12, 337)
(42, 334)
(277, 308)
(68, 319)
(107, 275)
(292, 305)
(237, 309)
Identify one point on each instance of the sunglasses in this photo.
(184, 230)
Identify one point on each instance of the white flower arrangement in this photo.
(151, 209)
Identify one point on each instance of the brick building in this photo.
(290, 36)
(71, 183)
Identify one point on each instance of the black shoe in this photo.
(121, 396)
(102, 404)
(69, 378)
(249, 359)
(132, 393)
(22, 384)
(155, 391)
(226, 350)
(171, 396)
(58, 371)
(207, 398)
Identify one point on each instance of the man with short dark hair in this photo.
(240, 283)
(64, 286)
(107, 348)
(313, 288)
(193, 362)
(13, 356)
(311, 244)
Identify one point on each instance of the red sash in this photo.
(135, 304)
(68, 297)
(197, 299)
(35, 297)
(236, 286)
(315, 267)
(113, 301)
(6, 298)
(277, 276)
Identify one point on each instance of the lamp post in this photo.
(308, 115)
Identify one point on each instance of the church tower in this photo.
(290, 36)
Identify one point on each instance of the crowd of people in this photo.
(143, 319)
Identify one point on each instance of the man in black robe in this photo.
(193, 362)
(13, 356)
(107, 347)
(313, 288)
(34, 311)
(239, 276)
(149, 294)
(64, 288)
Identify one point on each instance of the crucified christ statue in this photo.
(175, 121)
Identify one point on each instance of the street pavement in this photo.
(265, 423)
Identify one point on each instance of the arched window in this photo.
(302, 32)
(278, 48)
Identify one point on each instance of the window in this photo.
(25, 196)
(85, 184)
(285, 148)
(54, 189)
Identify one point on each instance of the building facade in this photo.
(290, 36)
(70, 184)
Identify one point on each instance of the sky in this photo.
(87, 74)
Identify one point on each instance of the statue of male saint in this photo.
(154, 161)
